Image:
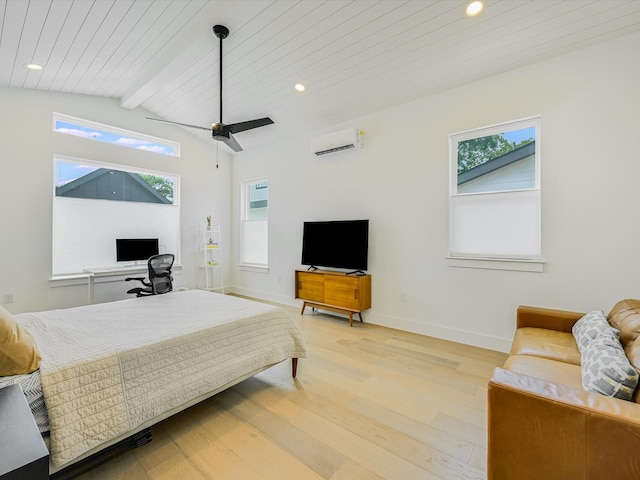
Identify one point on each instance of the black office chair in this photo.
(160, 279)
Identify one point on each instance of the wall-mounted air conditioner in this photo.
(346, 139)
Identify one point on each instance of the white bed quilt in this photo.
(108, 368)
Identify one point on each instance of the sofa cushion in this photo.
(551, 344)
(633, 354)
(561, 373)
(590, 327)
(606, 369)
(625, 316)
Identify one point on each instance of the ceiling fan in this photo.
(220, 131)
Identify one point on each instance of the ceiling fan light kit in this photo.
(220, 131)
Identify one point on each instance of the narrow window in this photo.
(255, 223)
(106, 133)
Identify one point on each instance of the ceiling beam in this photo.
(193, 41)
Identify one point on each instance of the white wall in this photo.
(27, 146)
(590, 198)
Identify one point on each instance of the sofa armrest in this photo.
(551, 319)
(539, 429)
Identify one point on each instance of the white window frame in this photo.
(254, 234)
(130, 139)
(519, 220)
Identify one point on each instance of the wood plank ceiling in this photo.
(355, 57)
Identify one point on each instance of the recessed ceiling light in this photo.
(299, 87)
(474, 8)
(33, 66)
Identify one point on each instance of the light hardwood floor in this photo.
(368, 403)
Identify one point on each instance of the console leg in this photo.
(294, 367)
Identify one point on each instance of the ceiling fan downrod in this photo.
(221, 32)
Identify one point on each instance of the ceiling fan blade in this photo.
(229, 142)
(219, 131)
(178, 123)
(242, 126)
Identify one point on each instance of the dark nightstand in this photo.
(23, 454)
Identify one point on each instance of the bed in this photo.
(111, 370)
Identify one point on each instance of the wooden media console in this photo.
(334, 291)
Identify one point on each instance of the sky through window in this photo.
(114, 135)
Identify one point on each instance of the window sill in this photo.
(253, 268)
(536, 266)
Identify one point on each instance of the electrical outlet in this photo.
(7, 298)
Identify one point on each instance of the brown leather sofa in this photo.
(542, 423)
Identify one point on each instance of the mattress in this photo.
(109, 368)
(32, 389)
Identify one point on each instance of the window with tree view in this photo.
(81, 180)
(95, 203)
(497, 162)
(495, 191)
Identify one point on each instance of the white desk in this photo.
(130, 271)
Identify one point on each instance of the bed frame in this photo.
(138, 437)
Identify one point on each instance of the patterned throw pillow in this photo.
(589, 327)
(606, 369)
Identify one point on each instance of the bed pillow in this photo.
(591, 326)
(18, 351)
(606, 369)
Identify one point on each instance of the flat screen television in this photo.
(336, 244)
(134, 249)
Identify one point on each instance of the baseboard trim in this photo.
(457, 335)
(466, 337)
(262, 295)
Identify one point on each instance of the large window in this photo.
(255, 223)
(95, 203)
(495, 192)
